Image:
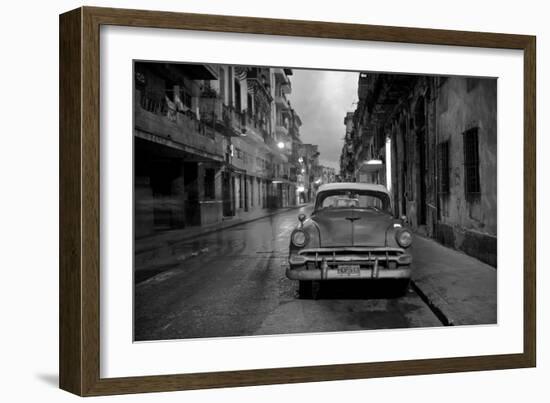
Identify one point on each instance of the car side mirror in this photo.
(404, 219)
(301, 218)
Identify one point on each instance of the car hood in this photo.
(352, 227)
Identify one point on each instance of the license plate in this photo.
(349, 269)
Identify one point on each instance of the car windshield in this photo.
(346, 198)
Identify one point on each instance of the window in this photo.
(279, 119)
(359, 199)
(471, 163)
(259, 187)
(222, 84)
(443, 167)
(251, 191)
(238, 105)
(186, 98)
(249, 105)
(169, 90)
(241, 191)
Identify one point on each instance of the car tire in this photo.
(402, 287)
(315, 289)
(304, 289)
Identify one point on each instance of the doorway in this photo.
(226, 195)
(420, 123)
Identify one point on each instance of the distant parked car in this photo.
(351, 234)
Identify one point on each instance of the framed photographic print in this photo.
(249, 201)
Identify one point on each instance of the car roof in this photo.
(353, 186)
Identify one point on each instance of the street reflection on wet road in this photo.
(232, 283)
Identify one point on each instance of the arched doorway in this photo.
(420, 130)
(404, 165)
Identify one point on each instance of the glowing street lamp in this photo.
(280, 144)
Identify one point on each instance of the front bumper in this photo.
(367, 263)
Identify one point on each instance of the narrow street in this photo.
(237, 286)
(227, 156)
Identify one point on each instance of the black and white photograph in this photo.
(275, 200)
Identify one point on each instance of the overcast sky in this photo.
(322, 99)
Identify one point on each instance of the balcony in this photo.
(257, 80)
(281, 101)
(281, 131)
(281, 75)
(228, 121)
(234, 121)
(366, 133)
(280, 72)
(195, 71)
(156, 120)
(211, 111)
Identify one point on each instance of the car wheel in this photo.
(402, 286)
(304, 289)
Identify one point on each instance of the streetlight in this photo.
(280, 144)
(388, 164)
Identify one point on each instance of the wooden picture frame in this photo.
(79, 346)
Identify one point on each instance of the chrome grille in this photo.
(387, 257)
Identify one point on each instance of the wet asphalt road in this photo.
(237, 286)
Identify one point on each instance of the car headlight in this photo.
(298, 238)
(404, 238)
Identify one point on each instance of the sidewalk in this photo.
(461, 288)
(161, 251)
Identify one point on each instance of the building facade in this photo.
(211, 142)
(347, 160)
(325, 175)
(307, 166)
(433, 142)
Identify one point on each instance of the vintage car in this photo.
(351, 234)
